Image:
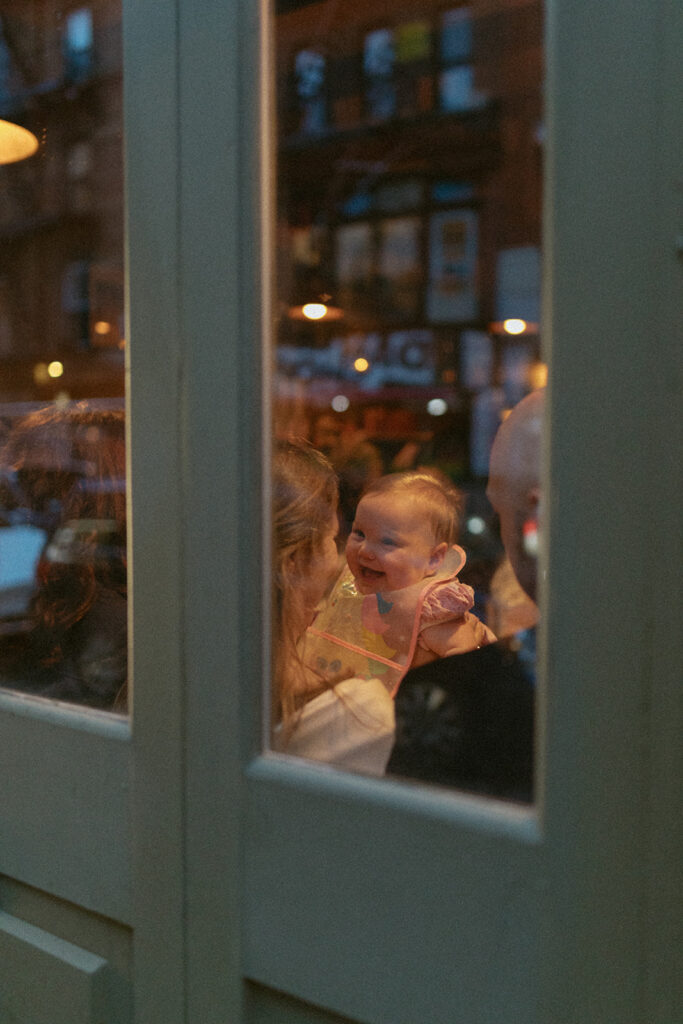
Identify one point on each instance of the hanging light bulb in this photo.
(16, 143)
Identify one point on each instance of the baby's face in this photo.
(391, 544)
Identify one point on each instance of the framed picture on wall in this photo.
(399, 266)
(379, 61)
(354, 264)
(453, 247)
(413, 43)
(476, 360)
(310, 74)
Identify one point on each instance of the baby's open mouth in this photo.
(370, 574)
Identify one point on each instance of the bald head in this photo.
(514, 476)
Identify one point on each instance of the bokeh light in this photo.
(314, 310)
(514, 326)
(437, 406)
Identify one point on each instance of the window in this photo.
(78, 44)
(408, 288)
(63, 582)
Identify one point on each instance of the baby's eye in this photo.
(389, 542)
(358, 534)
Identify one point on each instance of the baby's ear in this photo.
(437, 556)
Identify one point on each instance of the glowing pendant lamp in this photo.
(16, 143)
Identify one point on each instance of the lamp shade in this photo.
(16, 143)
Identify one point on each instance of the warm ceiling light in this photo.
(55, 369)
(514, 326)
(102, 327)
(361, 365)
(315, 311)
(16, 143)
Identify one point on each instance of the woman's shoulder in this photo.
(365, 703)
(350, 725)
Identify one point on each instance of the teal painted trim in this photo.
(264, 1006)
(99, 723)
(461, 811)
(65, 805)
(156, 519)
(221, 60)
(46, 980)
(613, 285)
(382, 912)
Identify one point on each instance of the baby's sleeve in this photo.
(444, 602)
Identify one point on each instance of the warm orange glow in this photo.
(514, 326)
(16, 143)
(102, 327)
(40, 374)
(55, 369)
(361, 364)
(538, 375)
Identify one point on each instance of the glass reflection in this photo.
(409, 172)
(62, 452)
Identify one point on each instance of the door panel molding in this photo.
(429, 901)
(65, 817)
(47, 980)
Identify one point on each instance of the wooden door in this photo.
(161, 868)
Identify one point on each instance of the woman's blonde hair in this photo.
(305, 496)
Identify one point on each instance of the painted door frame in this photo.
(378, 901)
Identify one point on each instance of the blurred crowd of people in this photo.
(63, 508)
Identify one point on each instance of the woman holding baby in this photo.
(350, 723)
(399, 539)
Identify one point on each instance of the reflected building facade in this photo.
(61, 210)
(410, 161)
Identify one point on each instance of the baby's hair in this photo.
(440, 501)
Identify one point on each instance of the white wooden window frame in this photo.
(380, 901)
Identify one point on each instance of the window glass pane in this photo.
(408, 286)
(62, 348)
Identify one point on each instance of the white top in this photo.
(350, 726)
